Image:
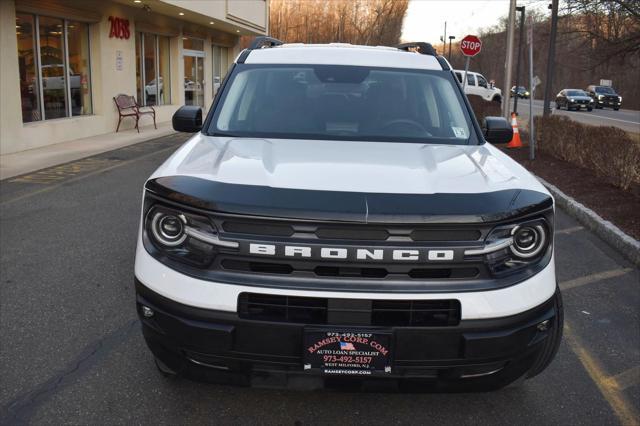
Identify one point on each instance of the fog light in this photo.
(147, 312)
(544, 325)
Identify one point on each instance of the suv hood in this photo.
(349, 166)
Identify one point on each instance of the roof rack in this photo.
(258, 43)
(261, 42)
(421, 47)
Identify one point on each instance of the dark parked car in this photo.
(574, 99)
(605, 96)
(522, 92)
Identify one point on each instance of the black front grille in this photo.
(277, 230)
(353, 232)
(404, 271)
(315, 310)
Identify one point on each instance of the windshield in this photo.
(607, 90)
(342, 102)
(576, 93)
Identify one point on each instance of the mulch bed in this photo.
(622, 208)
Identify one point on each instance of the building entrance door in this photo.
(194, 79)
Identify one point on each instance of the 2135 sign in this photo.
(119, 28)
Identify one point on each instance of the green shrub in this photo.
(609, 151)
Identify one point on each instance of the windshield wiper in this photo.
(222, 134)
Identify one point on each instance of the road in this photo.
(72, 350)
(625, 119)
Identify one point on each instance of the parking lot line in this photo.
(568, 231)
(626, 379)
(592, 278)
(621, 407)
(81, 177)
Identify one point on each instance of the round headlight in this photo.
(528, 241)
(168, 229)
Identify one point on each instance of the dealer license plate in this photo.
(347, 353)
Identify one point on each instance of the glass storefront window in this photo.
(27, 65)
(164, 53)
(149, 61)
(139, 85)
(220, 65)
(217, 76)
(224, 61)
(192, 43)
(79, 67)
(52, 67)
(153, 80)
(55, 67)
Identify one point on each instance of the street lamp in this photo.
(450, 38)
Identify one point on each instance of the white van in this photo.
(478, 85)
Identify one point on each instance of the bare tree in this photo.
(597, 39)
(369, 22)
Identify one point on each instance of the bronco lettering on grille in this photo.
(351, 253)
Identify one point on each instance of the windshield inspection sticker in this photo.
(459, 132)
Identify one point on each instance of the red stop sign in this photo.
(470, 45)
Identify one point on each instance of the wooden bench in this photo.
(128, 107)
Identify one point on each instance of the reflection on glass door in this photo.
(194, 80)
(52, 55)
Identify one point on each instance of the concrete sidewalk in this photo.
(31, 160)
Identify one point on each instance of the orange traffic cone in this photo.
(515, 141)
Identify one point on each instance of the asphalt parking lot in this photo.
(71, 349)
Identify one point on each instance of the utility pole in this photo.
(515, 95)
(450, 38)
(551, 60)
(444, 39)
(532, 136)
(509, 61)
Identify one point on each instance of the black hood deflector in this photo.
(342, 206)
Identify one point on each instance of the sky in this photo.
(425, 18)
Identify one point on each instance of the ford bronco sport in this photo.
(341, 218)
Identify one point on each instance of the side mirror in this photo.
(497, 130)
(187, 119)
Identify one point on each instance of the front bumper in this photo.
(609, 103)
(580, 105)
(219, 346)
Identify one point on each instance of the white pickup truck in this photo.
(478, 85)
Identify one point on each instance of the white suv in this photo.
(478, 85)
(341, 217)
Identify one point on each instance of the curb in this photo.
(628, 246)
